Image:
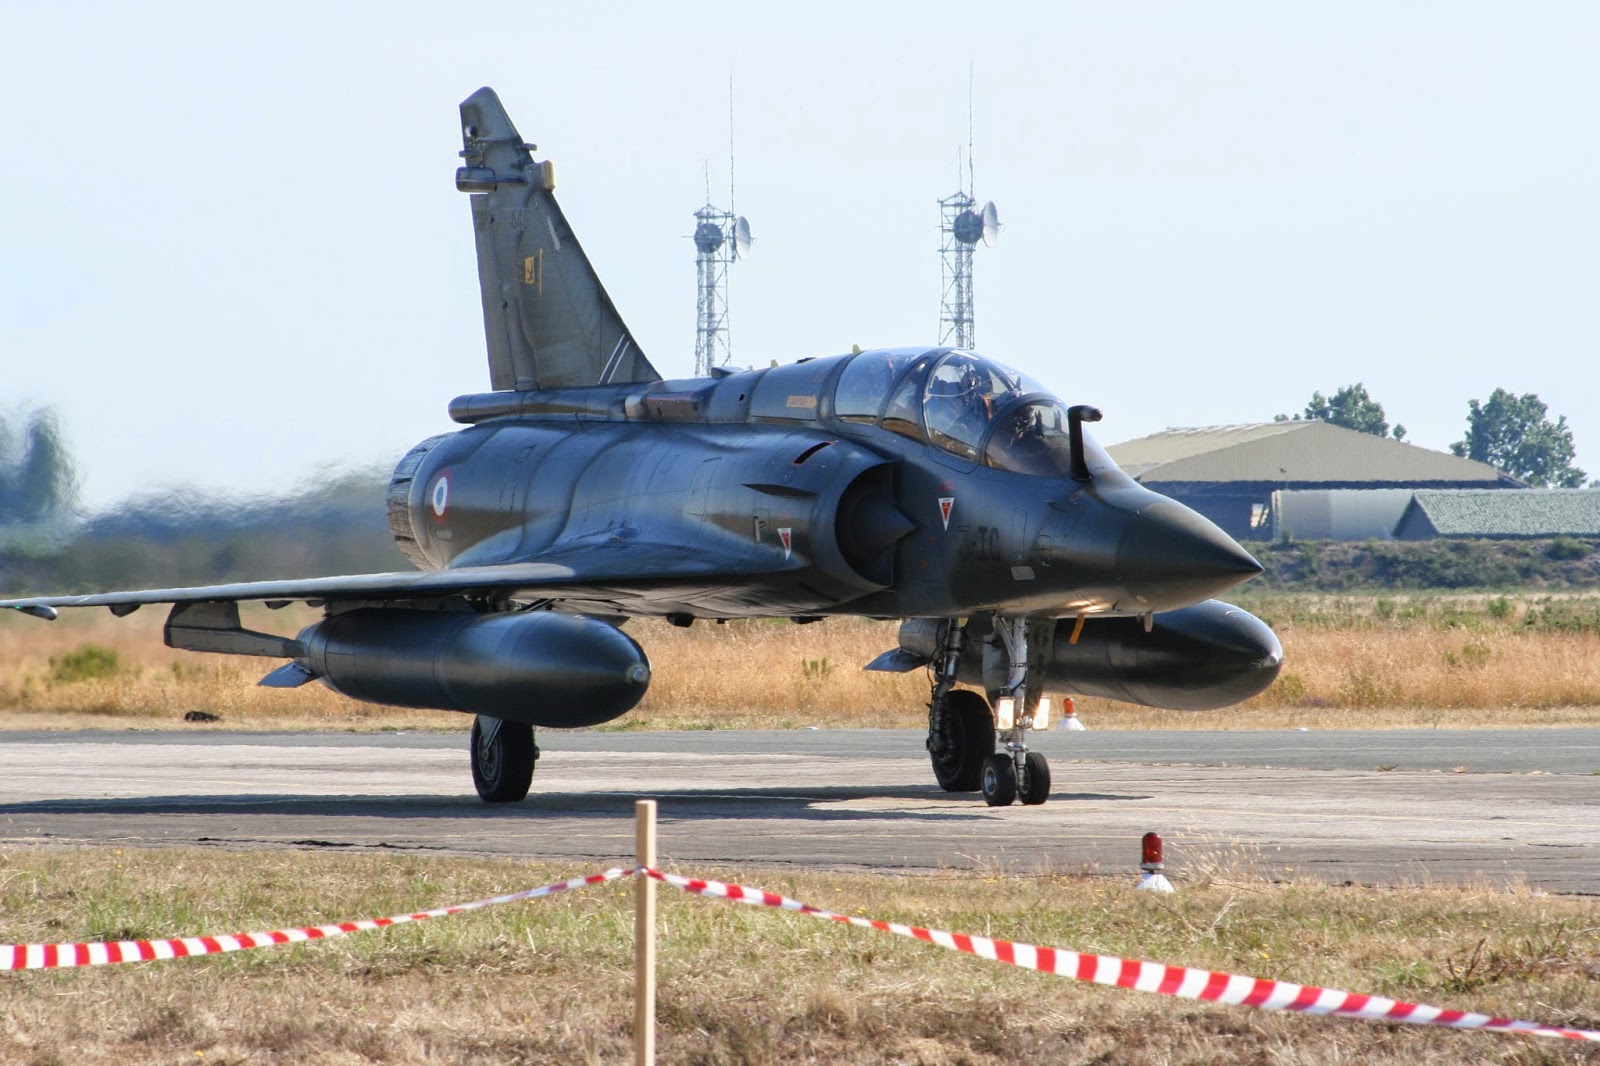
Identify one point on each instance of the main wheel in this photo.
(502, 759)
(1035, 780)
(960, 737)
(999, 780)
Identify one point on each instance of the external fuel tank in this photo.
(539, 667)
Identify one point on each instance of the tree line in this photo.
(175, 536)
(1511, 433)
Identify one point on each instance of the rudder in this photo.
(548, 321)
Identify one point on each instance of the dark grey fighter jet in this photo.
(925, 484)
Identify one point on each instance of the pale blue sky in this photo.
(231, 251)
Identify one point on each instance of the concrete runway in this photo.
(1375, 807)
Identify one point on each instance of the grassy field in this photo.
(550, 980)
(1350, 662)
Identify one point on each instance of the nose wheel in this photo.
(999, 780)
(1004, 784)
(1034, 787)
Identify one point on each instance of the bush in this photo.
(1566, 549)
(1568, 616)
(86, 662)
(815, 669)
(1338, 566)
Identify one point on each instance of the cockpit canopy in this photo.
(962, 403)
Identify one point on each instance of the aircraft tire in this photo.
(1036, 774)
(960, 737)
(502, 760)
(999, 780)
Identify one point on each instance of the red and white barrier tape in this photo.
(1156, 977)
(61, 956)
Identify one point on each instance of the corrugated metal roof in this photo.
(1510, 512)
(1304, 452)
(1171, 445)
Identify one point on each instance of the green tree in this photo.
(37, 479)
(1352, 408)
(1515, 434)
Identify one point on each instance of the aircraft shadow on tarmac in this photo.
(675, 803)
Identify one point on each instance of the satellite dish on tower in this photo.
(741, 238)
(968, 227)
(990, 225)
(708, 237)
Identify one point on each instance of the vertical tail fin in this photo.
(547, 318)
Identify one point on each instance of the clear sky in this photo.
(231, 252)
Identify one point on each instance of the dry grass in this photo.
(550, 980)
(1351, 662)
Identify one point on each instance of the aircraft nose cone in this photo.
(1170, 556)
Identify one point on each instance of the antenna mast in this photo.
(962, 225)
(720, 237)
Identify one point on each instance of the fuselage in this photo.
(900, 483)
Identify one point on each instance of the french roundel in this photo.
(439, 498)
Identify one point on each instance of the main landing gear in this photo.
(963, 730)
(503, 754)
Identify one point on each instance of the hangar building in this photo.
(1230, 473)
(1479, 513)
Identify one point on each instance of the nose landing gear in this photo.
(963, 731)
(1017, 704)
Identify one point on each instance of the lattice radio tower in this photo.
(720, 237)
(962, 225)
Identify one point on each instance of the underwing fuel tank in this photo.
(543, 668)
(1197, 658)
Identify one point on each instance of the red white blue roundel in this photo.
(439, 495)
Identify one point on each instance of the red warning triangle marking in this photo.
(786, 535)
(946, 503)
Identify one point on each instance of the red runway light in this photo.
(1150, 852)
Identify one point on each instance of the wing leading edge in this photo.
(580, 571)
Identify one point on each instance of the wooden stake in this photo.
(644, 937)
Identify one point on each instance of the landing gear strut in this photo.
(503, 754)
(1027, 777)
(960, 725)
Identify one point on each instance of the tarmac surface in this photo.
(1382, 807)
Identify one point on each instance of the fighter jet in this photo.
(930, 485)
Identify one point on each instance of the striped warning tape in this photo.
(1149, 976)
(60, 956)
(1156, 977)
